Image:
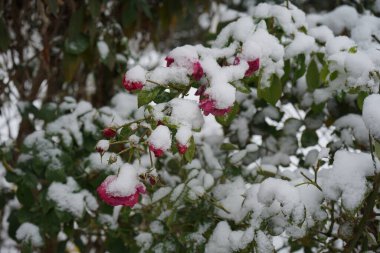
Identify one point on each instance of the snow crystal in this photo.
(29, 233)
(371, 115)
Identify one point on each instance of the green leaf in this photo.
(228, 146)
(144, 97)
(324, 73)
(94, 6)
(70, 66)
(76, 23)
(353, 50)
(58, 175)
(227, 119)
(300, 71)
(190, 152)
(312, 76)
(377, 148)
(360, 99)
(272, 93)
(4, 38)
(309, 138)
(77, 45)
(334, 75)
(24, 195)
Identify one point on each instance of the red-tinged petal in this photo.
(253, 67)
(157, 152)
(197, 71)
(109, 132)
(181, 148)
(132, 86)
(169, 61)
(201, 90)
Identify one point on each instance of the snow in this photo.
(144, 240)
(103, 145)
(302, 44)
(321, 33)
(371, 115)
(126, 182)
(186, 112)
(161, 138)
(161, 193)
(98, 163)
(29, 233)
(103, 49)
(356, 124)
(68, 197)
(347, 178)
(183, 135)
(337, 44)
(136, 74)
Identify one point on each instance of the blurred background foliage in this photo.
(54, 48)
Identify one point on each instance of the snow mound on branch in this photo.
(371, 115)
(126, 182)
(347, 178)
(68, 197)
(29, 233)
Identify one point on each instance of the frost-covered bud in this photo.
(253, 67)
(160, 140)
(169, 61)
(183, 136)
(208, 107)
(109, 132)
(152, 180)
(134, 79)
(123, 189)
(157, 151)
(197, 71)
(182, 148)
(102, 146)
(112, 159)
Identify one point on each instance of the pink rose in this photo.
(111, 200)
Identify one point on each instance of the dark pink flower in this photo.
(208, 107)
(109, 132)
(130, 85)
(111, 200)
(157, 152)
(201, 90)
(182, 148)
(197, 71)
(169, 61)
(253, 67)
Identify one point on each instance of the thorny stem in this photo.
(370, 203)
(311, 181)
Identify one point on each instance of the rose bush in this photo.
(268, 139)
